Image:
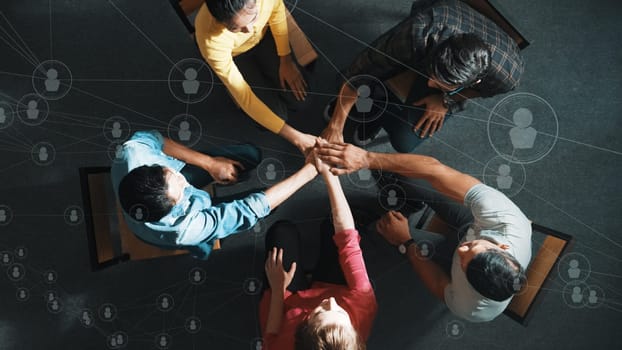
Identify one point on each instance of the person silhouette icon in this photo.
(32, 112)
(21, 252)
(116, 130)
(470, 236)
(6, 258)
(184, 132)
(54, 305)
(523, 136)
(197, 276)
(363, 102)
(252, 287)
(165, 304)
(258, 344)
(113, 341)
(364, 174)
(22, 294)
(424, 250)
(517, 285)
(15, 272)
(52, 83)
(504, 180)
(574, 271)
(73, 216)
(107, 313)
(2, 116)
(163, 341)
(50, 277)
(392, 198)
(455, 330)
(86, 318)
(577, 296)
(2, 215)
(190, 84)
(43, 154)
(51, 295)
(120, 339)
(138, 214)
(193, 325)
(592, 298)
(270, 172)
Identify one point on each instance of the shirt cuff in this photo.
(258, 202)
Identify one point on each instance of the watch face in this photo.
(402, 248)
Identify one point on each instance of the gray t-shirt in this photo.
(498, 218)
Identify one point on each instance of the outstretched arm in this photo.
(344, 103)
(278, 193)
(346, 158)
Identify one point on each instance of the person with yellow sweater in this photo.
(226, 29)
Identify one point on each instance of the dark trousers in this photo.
(247, 154)
(398, 119)
(324, 264)
(260, 68)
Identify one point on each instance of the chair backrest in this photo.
(109, 239)
(555, 244)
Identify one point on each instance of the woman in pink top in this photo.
(337, 309)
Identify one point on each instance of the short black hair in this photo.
(224, 10)
(145, 187)
(495, 274)
(460, 60)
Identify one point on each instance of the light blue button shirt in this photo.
(496, 217)
(194, 223)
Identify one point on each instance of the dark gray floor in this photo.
(120, 54)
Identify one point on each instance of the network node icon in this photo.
(163, 341)
(372, 98)
(190, 80)
(43, 153)
(165, 302)
(107, 312)
(185, 129)
(52, 80)
(32, 110)
(252, 286)
(455, 329)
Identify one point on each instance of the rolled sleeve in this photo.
(151, 138)
(351, 259)
(222, 220)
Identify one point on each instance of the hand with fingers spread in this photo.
(223, 170)
(277, 276)
(393, 226)
(432, 119)
(343, 158)
(290, 74)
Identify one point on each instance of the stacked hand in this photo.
(344, 158)
(277, 276)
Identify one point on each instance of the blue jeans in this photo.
(398, 119)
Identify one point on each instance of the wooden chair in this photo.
(301, 47)
(110, 241)
(542, 264)
(400, 84)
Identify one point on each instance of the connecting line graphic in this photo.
(21, 48)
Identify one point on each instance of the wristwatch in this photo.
(448, 102)
(403, 248)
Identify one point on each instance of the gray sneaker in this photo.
(358, 133)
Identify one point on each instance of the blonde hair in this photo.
(314, 336)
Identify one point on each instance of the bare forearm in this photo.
(343, 105)
(342, 216)
(185, 154)
(433, 277)
(444, 179)
(275, 313)
(284, 189)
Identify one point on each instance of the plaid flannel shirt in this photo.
(407, 45)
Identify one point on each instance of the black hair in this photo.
(224, 10)
(460, 60)
(145, 188)
(495, 274)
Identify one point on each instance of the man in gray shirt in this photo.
(489, 262)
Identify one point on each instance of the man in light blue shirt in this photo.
(489, 262)
(157, 181)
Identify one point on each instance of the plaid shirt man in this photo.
(407, 45)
